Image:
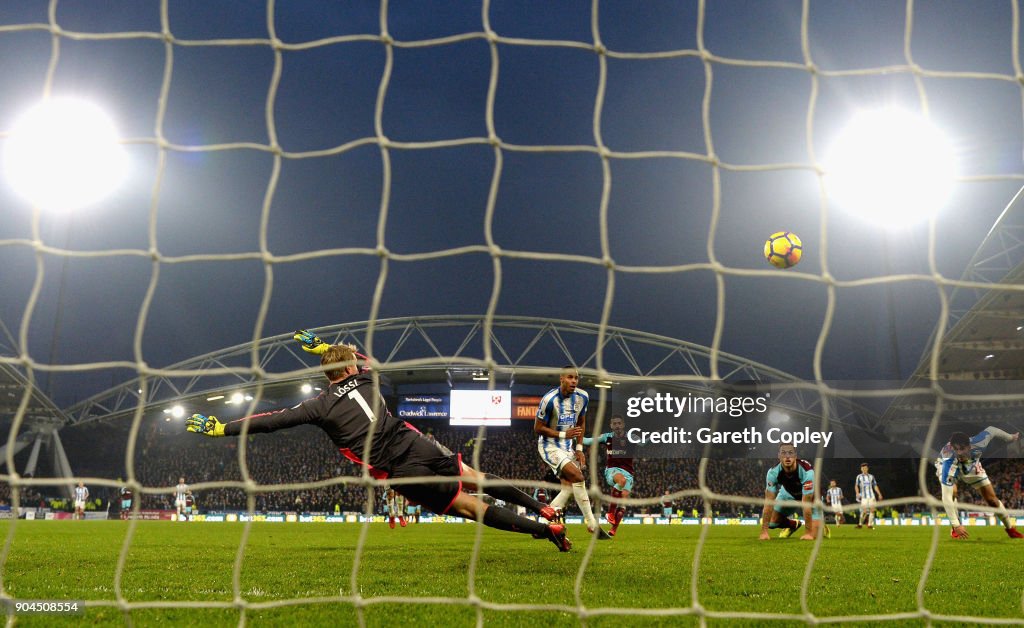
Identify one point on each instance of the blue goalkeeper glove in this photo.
(311, 343)
(201, 424)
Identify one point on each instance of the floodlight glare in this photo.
(892, 167)
(63, 155)
(307, 388)
(177, 412)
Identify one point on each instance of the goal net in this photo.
(588, 184)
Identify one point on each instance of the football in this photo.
(783, 249)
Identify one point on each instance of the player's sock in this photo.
(505, 519)
(391, 522)
(785, 523)
(1004, 516)
(613, 509)
(561, 499)
(511, 494)
(619, 513)
(579, 491)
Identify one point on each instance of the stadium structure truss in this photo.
(42, 418)
(506, 350)
(979, 369)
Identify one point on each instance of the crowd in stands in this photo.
(164, 452)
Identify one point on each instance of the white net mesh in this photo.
(210, 140)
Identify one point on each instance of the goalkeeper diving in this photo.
(352, 409)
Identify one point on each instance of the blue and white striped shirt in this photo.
(866, 485)
(561, 413)
(950, 468)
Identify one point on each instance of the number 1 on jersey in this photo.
(355, 396)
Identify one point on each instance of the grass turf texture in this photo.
(858, 572)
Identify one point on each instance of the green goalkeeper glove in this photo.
(201, 424)
(311, 343)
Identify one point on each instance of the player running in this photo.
(618, 472)
(866, 488)
(561, 419)
(352, 408)
(835, 501)
(81, 494)
(792, 476)
(960, 459)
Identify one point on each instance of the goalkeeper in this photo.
(351, 409)
(960, 460)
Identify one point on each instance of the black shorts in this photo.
(426, 459)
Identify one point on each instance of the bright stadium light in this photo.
(177, 412)
(892, 167)
(63, 155)
(307, 388)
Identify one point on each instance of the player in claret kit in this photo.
(960, 459)
(126, 500)
(791, 477)
(351, 409)
(618, 471)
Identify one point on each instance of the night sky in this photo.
(659, 212)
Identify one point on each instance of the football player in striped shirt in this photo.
(960, 459)
(81, 494)
(835, 501)
(561, 420)
(866, 489)
(791, 477)
(179, 498)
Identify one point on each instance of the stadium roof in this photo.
(19, 393)
(979, 365)
(436, 350)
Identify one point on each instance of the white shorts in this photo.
(837, 508)
(79, 504)
(179, 503)
(868, 502)
(555, 457)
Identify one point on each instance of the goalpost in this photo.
(487, 52)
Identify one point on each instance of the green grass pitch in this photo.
(857, 572)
